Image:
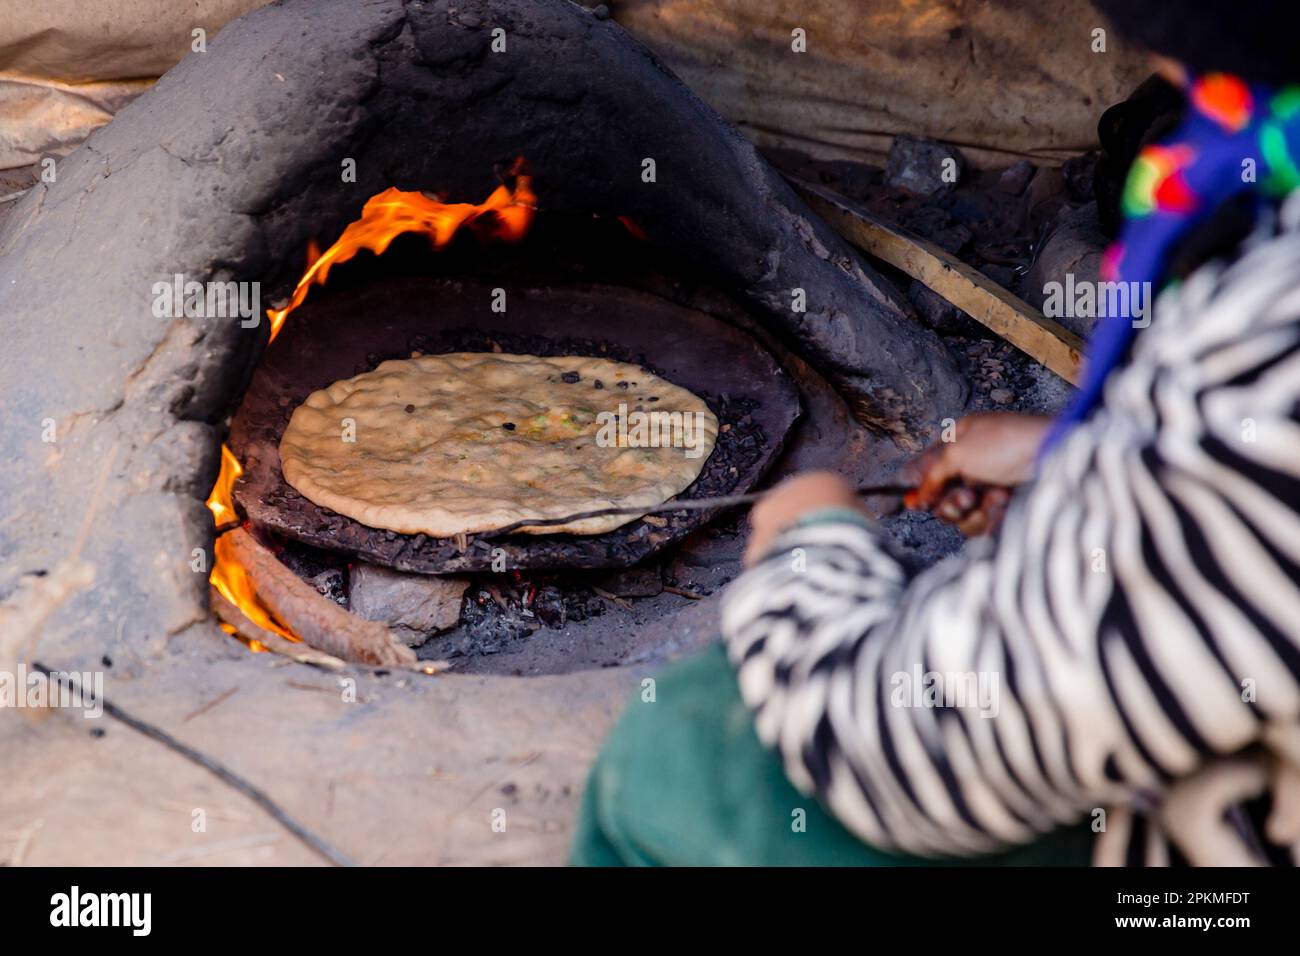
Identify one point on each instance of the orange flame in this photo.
(220, 502)
(505, 216)
(228, 575)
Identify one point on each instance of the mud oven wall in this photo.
(111, 418)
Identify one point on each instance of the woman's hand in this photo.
(791, 500)
(968, 480)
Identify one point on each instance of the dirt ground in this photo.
(459, 769)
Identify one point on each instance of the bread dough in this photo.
(474, 441)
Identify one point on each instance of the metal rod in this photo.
(668, 507)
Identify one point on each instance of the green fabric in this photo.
(833, 516)
(684, 781)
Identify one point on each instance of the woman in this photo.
(1124, 649)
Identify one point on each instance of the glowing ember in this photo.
(633, 229)
(504, 216)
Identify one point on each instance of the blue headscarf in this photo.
(1235, 140)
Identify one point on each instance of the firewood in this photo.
(983, 300)
(317, 620)
(273, 642)
(683, 592)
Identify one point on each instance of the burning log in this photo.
(273, 642)
(319, 622)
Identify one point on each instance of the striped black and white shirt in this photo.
(1135, 620)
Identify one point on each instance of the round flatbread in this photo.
(473, 441)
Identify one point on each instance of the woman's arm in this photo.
(1138, 611)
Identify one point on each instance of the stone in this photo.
(922, 166)
(414, 606)
(1003, 396)
(1015, 178)
(1074, 247)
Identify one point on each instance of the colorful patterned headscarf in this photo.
(1235, 140)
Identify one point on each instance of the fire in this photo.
(504, 216)
(228, 575)
(219, 502)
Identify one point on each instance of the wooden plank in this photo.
(981, 298)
